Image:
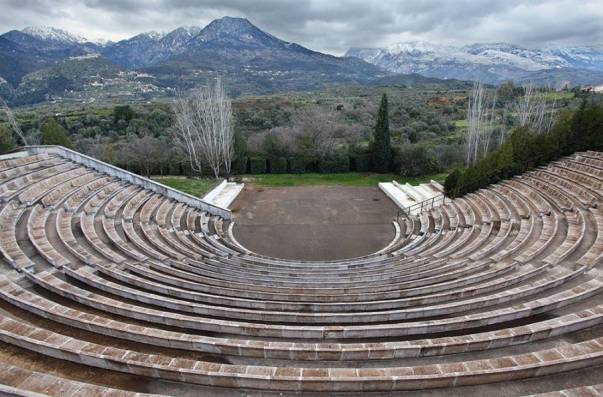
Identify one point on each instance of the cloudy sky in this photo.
(329, 25)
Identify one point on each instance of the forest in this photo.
(326, 131)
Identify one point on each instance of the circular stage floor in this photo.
(314, 222)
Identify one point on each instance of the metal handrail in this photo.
(423, 205)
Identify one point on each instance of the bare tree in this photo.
(204, 128)
(474, 118)
(13, 122)
(314, 132)
(186, 133)
(533, 111)
(487, 135)
(225, 135)
(478, 132)
(278, 141)
(146, 152)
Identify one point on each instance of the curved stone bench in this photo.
(295, 351)
(576, 294)
(455, 302)
(14, 187)
(544, 362)
(465, 287)
(17, 381)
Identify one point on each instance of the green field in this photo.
(346, 179)
(195, 186)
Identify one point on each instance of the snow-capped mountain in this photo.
(151, 47)
(250, 57)
(38, 62)
(491, 63)
(588, 57)
(46, 39)
(53, 35)
(34, 48)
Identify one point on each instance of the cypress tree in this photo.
(54, 134)
(240, 144)
(240, 151)
(382, 150)
(6, 140)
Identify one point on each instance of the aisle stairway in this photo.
(411, 199)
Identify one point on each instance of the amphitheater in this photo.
(112, 285)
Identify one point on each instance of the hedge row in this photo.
(299, 165)
(178, 168)
(259, 165)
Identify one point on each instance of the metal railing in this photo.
(423, 205)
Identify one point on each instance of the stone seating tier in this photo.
(501, 285)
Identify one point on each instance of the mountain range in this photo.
(45, 63)
(42, 63)
(490, 63)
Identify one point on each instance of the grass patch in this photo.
(460, 123)
(555, 96)
(197, 187)
(345, 179)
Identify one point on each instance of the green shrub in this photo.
(241, 165)
(334, 165)
(174, 167)
(361, 162)
(257, 165)
(297, 165)
(123, 112)
(186, 169)
(415, 160)
(278, 165)
(6, 140)
(54, 134)
(451, 183)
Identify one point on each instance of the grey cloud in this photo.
(329, 25)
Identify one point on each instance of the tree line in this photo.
(405, 132)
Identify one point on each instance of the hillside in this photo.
(417, 80)
(85, 79)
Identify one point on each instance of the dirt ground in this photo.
(314, 222)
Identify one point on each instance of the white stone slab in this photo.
(224, 194)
